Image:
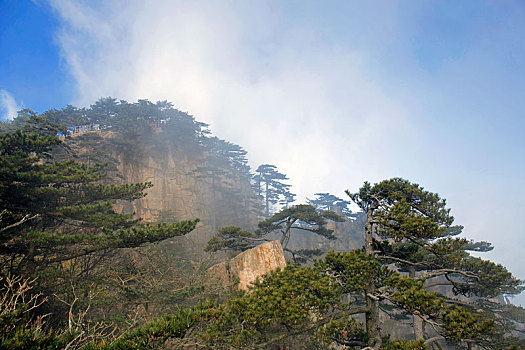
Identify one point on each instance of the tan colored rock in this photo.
(248, 265)
(181, 189)
(255, 262)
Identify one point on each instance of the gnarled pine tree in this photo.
(55, 211)
(412, 229)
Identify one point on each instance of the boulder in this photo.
(248, 265)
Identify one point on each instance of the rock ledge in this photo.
(248, 265)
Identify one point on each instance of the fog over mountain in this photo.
(332, 93)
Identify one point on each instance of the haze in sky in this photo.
(332, 92)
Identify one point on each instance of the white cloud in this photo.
(313, 113)
(292, 98)
(8, 105)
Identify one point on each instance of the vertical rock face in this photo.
(256, 262)
(248, 265)
(185, 186)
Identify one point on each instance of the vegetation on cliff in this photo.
(299, 218)
(58, 222)
(69, 277)
(320, 300)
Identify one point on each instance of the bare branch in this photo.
(20, 222)
(400, 260)
(450, 271)
(438, 284)
(433, 339)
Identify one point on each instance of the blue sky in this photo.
(30, 65)
(332, 92)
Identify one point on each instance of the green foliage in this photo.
(489, 279)
(329, 202)
(402, 344)
(57, 216)
(279, 302)
(58, 220)
(355, 269)
(348, 332)
(297, 218)
(389, 192)
(302, 256)
(420, 236)
(233, 238)
(302, 214)
(24, 337)
(55, 211)
(467, 275)
(412, 229)
(305, 299)
(180, 295)
(411, 295)
(301, 217)
(155, 332)
(268, 185)
(133, 124)
(403, 209)
(293, 293)
(459, 325)
(505, 319)
(227, 153)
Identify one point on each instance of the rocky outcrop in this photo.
(244, 269)
(185, 185)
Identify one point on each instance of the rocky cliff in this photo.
(193, 173)
(247, 266)
(188, 181)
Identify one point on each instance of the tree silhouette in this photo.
(268, 185)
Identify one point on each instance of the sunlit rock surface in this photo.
(247, 266)
(185, 186)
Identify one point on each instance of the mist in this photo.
(8, 105)
(332, 94)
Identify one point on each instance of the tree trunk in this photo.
(286, 233)
(369, 237)
(372, 319)
(31, 263)
(372, 305)
(416, 320)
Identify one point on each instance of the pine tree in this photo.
(327, 201)
(323, 299)
(268, 185)
(299, 218)
(412, 228)
(54, 211)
